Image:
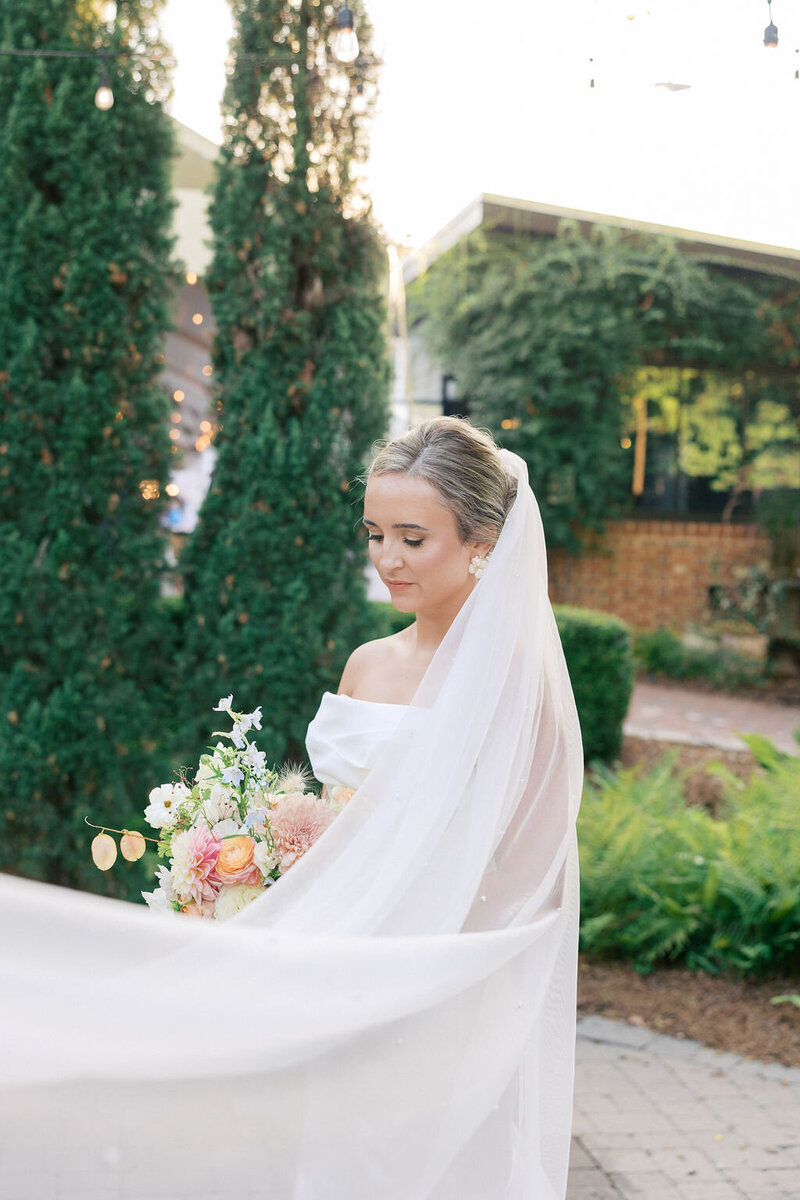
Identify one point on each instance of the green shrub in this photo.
(386, 620)
(86, 208)
(662, 652)
(663, 882)
(273, 572)
(597, 648)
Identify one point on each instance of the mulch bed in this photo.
(698, 786)
(728, 1014)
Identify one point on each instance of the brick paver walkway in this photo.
(674, 713)
(658, 1118)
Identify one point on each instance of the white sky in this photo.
(479, 97)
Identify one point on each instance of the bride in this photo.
(395, 1019)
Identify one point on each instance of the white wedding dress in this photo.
(394, 1020)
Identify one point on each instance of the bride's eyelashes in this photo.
(378, 537)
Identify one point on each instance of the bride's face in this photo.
(415, 547)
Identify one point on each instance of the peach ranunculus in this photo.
(235, 861)
(341, 795)
(298, 820)
(202, 908)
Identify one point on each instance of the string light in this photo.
(191, 278)
(178, 396)
(345, 43)
(104, 97)
(771, 32)
(345, 49)
(197, 319)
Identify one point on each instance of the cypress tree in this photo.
(85, 247)
(274, 572)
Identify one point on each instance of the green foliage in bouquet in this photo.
(84, 217)
(597, 648)
(545, 334)
(663, 882)
(274, 572)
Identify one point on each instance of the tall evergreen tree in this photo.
(85, 248)
(274, 573)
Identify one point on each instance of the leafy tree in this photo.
(274, 572)
(84, 219)
(738, 432)
(546, 337)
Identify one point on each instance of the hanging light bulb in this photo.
(104, 97)
(359, 101)
(345, 43)
(771, 32)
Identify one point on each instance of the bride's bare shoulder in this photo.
(371, 663)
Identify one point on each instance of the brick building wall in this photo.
(653, 573)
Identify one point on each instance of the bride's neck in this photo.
(429, 629)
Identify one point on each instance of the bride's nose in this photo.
(391, 555)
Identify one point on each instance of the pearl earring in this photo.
(478, 565)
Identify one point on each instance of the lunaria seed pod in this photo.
(104, 851)
(132, 845)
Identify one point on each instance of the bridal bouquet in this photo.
(232, 831)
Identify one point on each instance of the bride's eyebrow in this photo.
(397, 525)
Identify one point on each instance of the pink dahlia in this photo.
(297, 821)
(194, 857)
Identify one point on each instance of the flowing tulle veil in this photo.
(393, 1020)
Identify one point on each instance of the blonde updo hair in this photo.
(462, 463)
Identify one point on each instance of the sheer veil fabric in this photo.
(395, 1019)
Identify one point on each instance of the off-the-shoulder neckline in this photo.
(358, 700)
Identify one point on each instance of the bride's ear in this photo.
(484, 549)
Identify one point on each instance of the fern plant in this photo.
(665, 883)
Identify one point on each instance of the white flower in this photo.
(162, 811)
(226, 828)
(157, 901)
(161, 899)
(210, 767)
(224, 705)
(256, 819)
(256, 758)
(265, 857)
(254, 718)
(232, 900)
(219, 804)
(164, 877)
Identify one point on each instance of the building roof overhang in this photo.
(510, 215)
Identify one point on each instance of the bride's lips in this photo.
(397, 583)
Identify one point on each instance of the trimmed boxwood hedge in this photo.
(598, 650)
